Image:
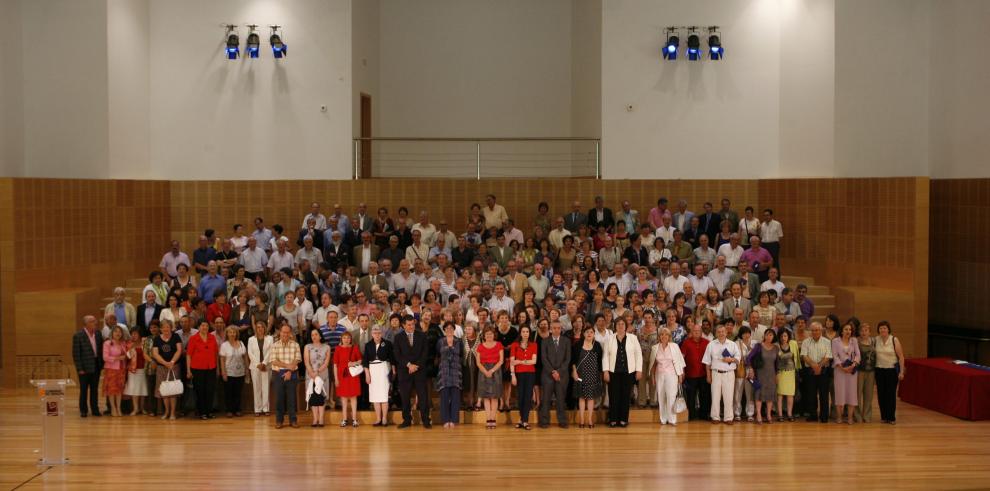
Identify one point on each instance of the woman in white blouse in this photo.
(666, 368)
(749, 226)
(258, 347)
(239, 240)
(172, 311)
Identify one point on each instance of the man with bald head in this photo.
(816, 354)
(574, 219)
(87, 350)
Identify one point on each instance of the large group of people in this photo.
(590, 309)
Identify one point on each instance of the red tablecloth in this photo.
(943, 386)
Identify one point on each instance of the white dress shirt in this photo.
(714, 353)
(771, 231)
(731, 255)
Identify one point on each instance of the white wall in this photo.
(690, 120)
(960, 76)
(65, 88)
(250, 119)
(807, 88)
(11, 103)
(586, 81)
(365, 22)
(129, 83)
(467, 68)
(881, 87)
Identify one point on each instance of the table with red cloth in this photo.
(943, 386)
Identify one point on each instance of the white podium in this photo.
(52, 395)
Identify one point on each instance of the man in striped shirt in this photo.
(816, 353)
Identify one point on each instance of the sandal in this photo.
(527, 427)
(519, 425)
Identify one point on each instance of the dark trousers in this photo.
(619, 393)
(89, 385)
(203, 383)
(524, 385)
(698, 395)
(232, 393)
(285, 396)
(362, 400)
(774, 249)
(407, 383)
(815, 388)
(553, 389)
(450, 405)
(887, 393)
(187, 402)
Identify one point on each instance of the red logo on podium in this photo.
(52, 408)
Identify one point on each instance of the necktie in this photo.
(410, 336)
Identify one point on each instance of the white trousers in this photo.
(666, 396)
(743, 387)
(260, 382)
(723, 385)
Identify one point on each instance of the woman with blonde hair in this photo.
(233, 368)
(666, 368)
(114, 368)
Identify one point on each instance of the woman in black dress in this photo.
(586, 371)
(506, 335)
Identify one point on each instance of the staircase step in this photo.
(815, 289)
(136, 283)
(793, 281)
(822, 299)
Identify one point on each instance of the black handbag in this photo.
(317, 399)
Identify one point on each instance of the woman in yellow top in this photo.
(788, 362)
(767, 312)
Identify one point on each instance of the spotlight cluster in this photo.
(252, 44)
(672, 44)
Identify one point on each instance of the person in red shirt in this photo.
(522, 365)
(201, 358)
(695, 382)
(220, 308)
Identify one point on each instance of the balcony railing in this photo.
(476, 158)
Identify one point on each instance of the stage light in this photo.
(279, 48)
(715, 49)
(669, 50)
(253, 45)
(233, 43)
(693, 47)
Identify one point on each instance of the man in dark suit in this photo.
(574, 219)
(710, 223)
(335, 251)
(365, 251)
(599, 216)
(556, 354)
(393, 252)
(410, 363)
(636, 253)
(311, 230)
(87, 349)
(371, 279)
(147, 312)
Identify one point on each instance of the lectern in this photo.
(52, 394)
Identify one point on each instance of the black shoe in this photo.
(97, 414)
(427, 425)
(83, 415)
(544, 425)
(405, 424)
(563, 425)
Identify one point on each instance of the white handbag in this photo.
(170, 386)
(356, 370)
(680, 405)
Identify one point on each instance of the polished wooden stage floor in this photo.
(926, 450)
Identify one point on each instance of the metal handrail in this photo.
(356, 152)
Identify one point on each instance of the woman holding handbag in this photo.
(317, 358)
(666, 367)
(137, 384)
(586, 372)
(167, 350)
(763, 359)
(889, 371)
(347, 383)
(845, 360)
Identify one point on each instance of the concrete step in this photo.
(814, 289)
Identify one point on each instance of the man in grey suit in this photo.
(749, 281)
(682, 218)
(556, 354)
(574, 219)
(87, 354)
(736, 300)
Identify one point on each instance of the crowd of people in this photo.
(590, 309)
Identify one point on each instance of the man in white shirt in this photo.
(262, 234)
(721, 276)
(404, 280)
(770, 234)
(426, 229)
(309, 253)
(773, 283)
(666, 231)
(512, 233)
(721, 357)
(343, 223)
(682, 218)
(440, 248)
(621, 279)
(281, 258)
(172, 259)
(610, 255)
(674, 283)
(500, 301)
(253, 259)
(314, 212)
(754, 325)
(732, 251)
(700, 282)
(450, 238)
(556, 236)
(539, 283)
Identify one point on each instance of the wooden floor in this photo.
(926, 450)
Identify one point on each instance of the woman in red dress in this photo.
(348, 386)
